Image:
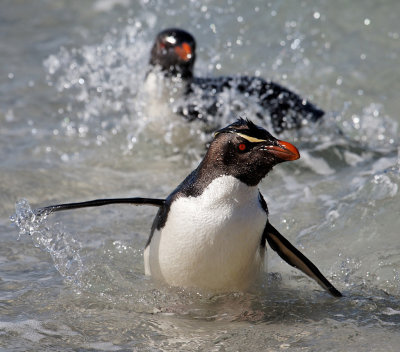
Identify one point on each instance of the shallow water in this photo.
(73, 127)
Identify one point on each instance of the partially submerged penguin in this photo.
(173, 56)
(211, 232)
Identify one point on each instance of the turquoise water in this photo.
(74, 127)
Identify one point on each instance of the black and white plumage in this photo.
(211, 232)
(173, 55)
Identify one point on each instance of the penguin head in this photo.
(248, 152)
(174, 50)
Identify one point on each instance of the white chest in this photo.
(162, 93)
(211, 241)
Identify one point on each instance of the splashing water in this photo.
(79, 130)
(105, 82)
(63, 249)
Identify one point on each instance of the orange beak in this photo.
(184, 52)
(284, 151)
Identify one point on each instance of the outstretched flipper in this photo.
(100, 202)
(294, 257)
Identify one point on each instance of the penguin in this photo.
(212, 231)
(172, 60)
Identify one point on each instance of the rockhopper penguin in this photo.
(172, 58)
(211, 231)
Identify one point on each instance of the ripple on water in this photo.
(341, 198)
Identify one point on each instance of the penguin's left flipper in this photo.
(294, 257)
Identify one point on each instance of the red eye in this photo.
(242, 147)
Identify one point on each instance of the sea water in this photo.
(74, 127)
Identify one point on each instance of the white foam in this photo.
(318, 165)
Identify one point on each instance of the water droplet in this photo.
(295, 44)
(64, 157)
(9, 115)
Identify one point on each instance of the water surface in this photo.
(73, 127)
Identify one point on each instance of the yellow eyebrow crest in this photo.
(250, 139)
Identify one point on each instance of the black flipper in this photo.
(100, 202)
(295, 258)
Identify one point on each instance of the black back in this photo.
(287, 109)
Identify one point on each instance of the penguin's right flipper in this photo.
(100, 202)
(295, 258)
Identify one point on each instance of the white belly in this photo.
(212, 241)
(161, 94)
(157, 106)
